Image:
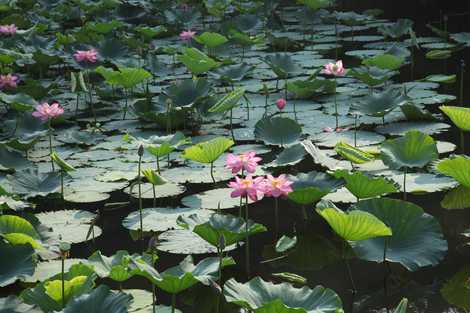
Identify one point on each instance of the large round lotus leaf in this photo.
(415, 149)
(277, 130)
(80, 137)
(232, 228)
(11, 159)
(99, 300)
(212, 199)
(259, 296)
(182, 241)
(401, 128)
(17, 262)
(72, 226)
(363, 138)
(460, 116)
(209, 151)
(416, 240)
(456, 291)
(310, 187)
(463, 38)
(457, 198)
(13, 305)
(456, 167)
(187, 274)
(114, 176)
(85, 196)
(195, 175)
(380, 104)
(142, 302)
(163, 191)
(31, 183)
(161, 219)
(290, 156)
(48, 269)
(354, 225)
(420, 183)
(363, 186)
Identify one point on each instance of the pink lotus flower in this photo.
(247, 161)
(247, 187)
(336, 69)
(187, 35)
(90, 56)
(277, 186)
(281, 103)
(8, 29)
(8, 81)
(46, 112)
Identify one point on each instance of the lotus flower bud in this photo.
(222, 242)
(140, 152)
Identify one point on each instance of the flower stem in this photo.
(62, 184)
(63, 281)
(404, 185)
(139, 180)
(231, 124)
(50, 146)
(276, 215)
(247, 241)
(173, 302)
(336, 106)
(212, 172)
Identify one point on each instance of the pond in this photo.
(234, 156)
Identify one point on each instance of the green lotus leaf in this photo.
(363, 186)
(463, 38)
(439, 78)
(317, 4)
(438, 54)
(380, 104)
(417, 240)
(457, 198)
(372, 76)
(259, 296)
(457, 290)
(161, 219)
(414, 150)
(310, 187)
(457, 167)
(12, 160)
(187, 91)
(19, 231)
(214, 199)
(289, 156)
(54, 288)
(19, 264)
(354, 225)
(47, 269)
(228, 102)
(277, 130)
(64, 166)
(196, 61)
(31, 183)
(81, 137)
(282, 65)
(306, 89)
(125, 77)
(210, 39)
(460, 116)
(231, 73)
(385, 61)
(186, 274)
(396, 30)
(208, 151)
(13, 304)
(100, 300)
(122, 266)
(415, 113)
(48, 294)
(25, 131)
(402, 306)
(232, 228)
(285, 243)
(352, 154)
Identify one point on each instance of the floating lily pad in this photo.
(212, 199)
(163, 191)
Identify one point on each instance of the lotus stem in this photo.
(304, 212)
(76, 105)
(154, 196)
(173, 302)
(125, 105)
(158, 165)
(139, 181)
(355, 130)
(62, 184)
(231, 124)
(50, 146)
(212, 172)
(336, 107)
(351, 279)
(63, 278)
(276, 214)
(386, 273)
(462, 71)
(220, 253)
(240, 208)
(404, 184)
(336, 41)
(247, 241)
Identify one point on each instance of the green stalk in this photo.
(276, 215)
(212, 172)
(158, 165)
(154, 197)
(231, 124)
(404, 185)
(62, 278)
(125, 106)
(247, 241)
(50, 146)
(336, 107)
(355, 130)
(62, 184)
(173, 302)
(139, 180)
